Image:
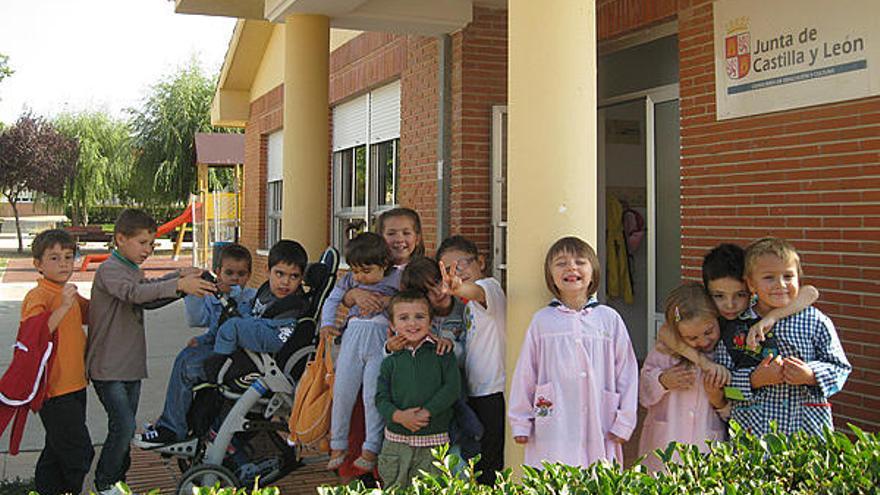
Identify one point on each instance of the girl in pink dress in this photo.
(684, 403)
(574, 392)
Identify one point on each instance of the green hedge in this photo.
(831, 464)
(772, 465)
(108, 214)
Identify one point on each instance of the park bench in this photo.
(88, 233)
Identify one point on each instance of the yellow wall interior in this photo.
(271, 71)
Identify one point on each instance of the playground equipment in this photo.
(216, 214)
(179, 221)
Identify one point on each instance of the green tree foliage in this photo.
(105, 162)
(177, 107)
(5, 69)
(34, 157)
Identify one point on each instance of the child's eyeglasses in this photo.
(462, 265)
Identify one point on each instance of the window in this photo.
(366, 152)
(499, 193)
(274, 187)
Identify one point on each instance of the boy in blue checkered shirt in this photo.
(791, 388)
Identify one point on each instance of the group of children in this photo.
(423, 344)
(424, 341)
(746, 345)
(112, 356)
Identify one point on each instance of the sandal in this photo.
(364, 464)
(336, 462)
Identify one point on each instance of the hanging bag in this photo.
(310, 418)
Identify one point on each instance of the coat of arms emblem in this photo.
(738, 50)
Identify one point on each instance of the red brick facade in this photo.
(479, 83)
(266, 117)
(811, 175)
(418, 134)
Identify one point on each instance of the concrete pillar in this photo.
(551, 150)
(306, 141)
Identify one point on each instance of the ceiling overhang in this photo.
(425, 17)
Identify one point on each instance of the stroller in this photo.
(239, 419)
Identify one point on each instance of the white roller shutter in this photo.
(385, 113)
(275, 156)
(350, 124)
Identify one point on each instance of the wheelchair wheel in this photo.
(296, 363)
(206, 475)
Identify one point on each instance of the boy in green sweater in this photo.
(415, 393)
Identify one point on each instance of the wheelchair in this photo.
(239, 420)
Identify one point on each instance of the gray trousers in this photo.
(358, 363)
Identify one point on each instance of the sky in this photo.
(73, 55)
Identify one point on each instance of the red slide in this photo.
(163, 229)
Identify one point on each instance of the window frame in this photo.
(274, 215)
(274, 181)
(343, 215)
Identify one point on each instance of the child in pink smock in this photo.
(684, 403)
(574, 393)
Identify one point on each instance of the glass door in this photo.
(664, 193)
(638, 176)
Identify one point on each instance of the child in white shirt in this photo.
(462, 268)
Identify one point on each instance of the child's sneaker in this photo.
(155, 437)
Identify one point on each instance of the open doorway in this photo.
(639, 208)
(638, 162)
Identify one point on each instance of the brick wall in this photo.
(479, 81)
(617, 17)
(418, 134)
(266, 117)
(365, 62)
(811, 175)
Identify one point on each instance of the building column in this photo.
(306, 141)
(551, 151)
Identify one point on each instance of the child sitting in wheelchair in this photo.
(188, 369)
(287, 261)
(251, 374)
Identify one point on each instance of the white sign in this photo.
(775, 55)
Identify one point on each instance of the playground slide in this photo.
(163, 229)
(185, 217)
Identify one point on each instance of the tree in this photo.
(34, 157)
(105, 162)
(5, 70)
(177, 107)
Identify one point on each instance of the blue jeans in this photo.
(187, 372)
(255, 334)
(358, 363)
(120, 400)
